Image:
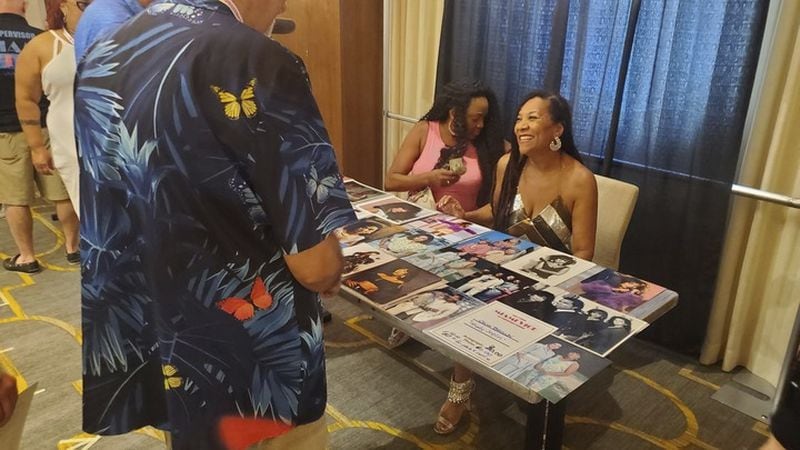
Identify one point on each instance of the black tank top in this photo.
(15, 33)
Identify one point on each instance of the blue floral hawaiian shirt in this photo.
(204, 160)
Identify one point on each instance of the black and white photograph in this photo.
(491, 284)
(395, 210)
(361, 257)
(366, 230)
(578, 320)
(549, 266)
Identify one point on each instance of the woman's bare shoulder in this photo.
(581, 179)
(502, 163)
(41, 45)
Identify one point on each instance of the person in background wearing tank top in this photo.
(46, 67)
(453, 148)
(543, 179)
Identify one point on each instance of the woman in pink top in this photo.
(454, 148)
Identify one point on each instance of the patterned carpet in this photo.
(378, 398)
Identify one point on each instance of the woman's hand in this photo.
(442, 177)
(449, 205)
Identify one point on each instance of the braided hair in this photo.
(559, 113)
(457, 95)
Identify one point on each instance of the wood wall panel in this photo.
(341, 43)
(362, 91)
(316, 41)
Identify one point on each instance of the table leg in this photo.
(545, 427)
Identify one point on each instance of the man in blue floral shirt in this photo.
(209, 194)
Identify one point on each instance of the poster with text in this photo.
(491, 333)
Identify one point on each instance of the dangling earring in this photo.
(450, 127)
(555, 144)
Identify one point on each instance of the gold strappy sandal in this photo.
(459, 394)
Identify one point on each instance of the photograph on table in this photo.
(535, 300)
(361, 257)
(496, 247)
(449, 263)
(616, 290)
(491, 284)
(395, 210)
(361, 214)
(603, 329)
(410, 242)
(549, 266)
(578, 320)
(491, 333)
(366, 230)
(552, 367)
(448, 227)
(358, 193)
(389, 282)
(426, 309)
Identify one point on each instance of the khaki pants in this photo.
(311, 436)
(18, 179)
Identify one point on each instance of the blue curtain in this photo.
(659, 90)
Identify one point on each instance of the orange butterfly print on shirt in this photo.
(244, 309)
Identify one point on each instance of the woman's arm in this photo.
(399, 179)
(584, 215)
(483, 215)
(28, 93)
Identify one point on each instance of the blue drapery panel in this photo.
(659, 88)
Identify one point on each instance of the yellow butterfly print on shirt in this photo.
(171, 380)
(234, 106)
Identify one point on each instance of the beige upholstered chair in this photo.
(615, 202)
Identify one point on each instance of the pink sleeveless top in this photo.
(467, 187)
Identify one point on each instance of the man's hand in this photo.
(331, 292)
(42, 160)
(8, 397)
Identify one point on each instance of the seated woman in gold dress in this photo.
(542, 191)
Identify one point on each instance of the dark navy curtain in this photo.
(659, 90)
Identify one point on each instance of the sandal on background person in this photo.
(459, 395)
(397, 338)
(11, 265)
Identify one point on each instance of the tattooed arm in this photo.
(28, 92)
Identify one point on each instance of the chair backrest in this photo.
(615, 202)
